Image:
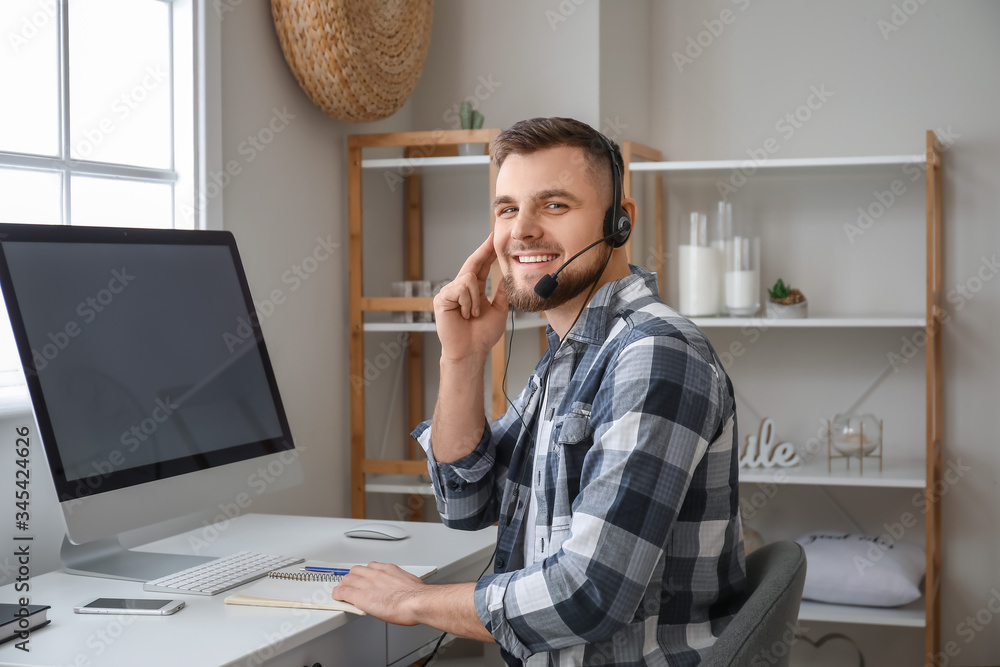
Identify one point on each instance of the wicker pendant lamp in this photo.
(357, 60)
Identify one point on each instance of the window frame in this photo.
(193, 117)
(195, 129)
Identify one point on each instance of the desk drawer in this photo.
(360, 643)
(402, 640)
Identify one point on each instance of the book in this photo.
(294, 588)
(10, 619)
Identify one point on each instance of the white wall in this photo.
(625, 70)
(291, 194)
(543, 57)
(937, 71)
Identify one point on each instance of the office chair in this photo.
(764, 627)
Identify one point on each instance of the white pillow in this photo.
(847, 568)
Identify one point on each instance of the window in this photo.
(99, 118)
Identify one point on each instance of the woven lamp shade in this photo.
(357, 60)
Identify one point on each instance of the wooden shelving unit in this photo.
(519, 323)
(908, 616)
(421, 151)
(924, 473)
(437, 150)
(776, 163)
(900, 473)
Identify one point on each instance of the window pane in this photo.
(30, 196)
(9, 358)
(120, 82)
(29, 76)
(107, 202)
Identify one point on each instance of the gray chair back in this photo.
(765, 627)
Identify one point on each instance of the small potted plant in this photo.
(786, 302)
(470, 119)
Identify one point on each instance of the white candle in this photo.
(699, 269)
(720, 247)
(742, 290)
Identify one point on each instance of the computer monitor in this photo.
(150, 381)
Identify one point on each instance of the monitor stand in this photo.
(107, 558)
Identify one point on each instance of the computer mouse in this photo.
(377, 531)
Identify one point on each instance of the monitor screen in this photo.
(142, 352)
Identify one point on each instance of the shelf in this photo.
(777, 163)
(896, 473)
(398, 484)
(422, 162)
(911, 615)
(407, 155)
(902, 473)
(519, 324)
(811, 322)
(400, 326)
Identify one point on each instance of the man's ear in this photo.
(632, 209)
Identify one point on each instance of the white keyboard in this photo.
(220, 574)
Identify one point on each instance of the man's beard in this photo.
(571, 284)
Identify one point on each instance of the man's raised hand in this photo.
(468, 324)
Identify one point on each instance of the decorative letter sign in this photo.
(761, 451)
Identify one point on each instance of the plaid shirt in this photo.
(639, 549)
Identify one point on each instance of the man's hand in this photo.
(467, 323)
(392, 594)
(382, 590)
(468, 326)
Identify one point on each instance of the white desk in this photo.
(208, 632)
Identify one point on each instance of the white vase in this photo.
(780, 311)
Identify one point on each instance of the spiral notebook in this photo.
(295, 588)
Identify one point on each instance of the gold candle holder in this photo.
(847, 437)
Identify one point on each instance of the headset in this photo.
(617, 224)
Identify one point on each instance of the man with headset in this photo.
(613, 476)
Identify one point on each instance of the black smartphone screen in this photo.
(120, 603)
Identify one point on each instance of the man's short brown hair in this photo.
(527, 136)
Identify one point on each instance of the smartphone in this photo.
(146, 606)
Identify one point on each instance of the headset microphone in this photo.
(548, 283)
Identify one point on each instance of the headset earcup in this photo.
(624, 228)
(617, 226)
(610, 226)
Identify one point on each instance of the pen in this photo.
(331, 570)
